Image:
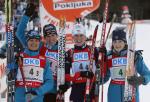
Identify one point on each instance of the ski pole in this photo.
(88, 86)
(61, 58)
(20, 63)
(112, 22)
(130, 91)
(102, 44)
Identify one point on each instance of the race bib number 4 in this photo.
(118, 73)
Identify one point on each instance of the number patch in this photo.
(118, 73)
(31, 74)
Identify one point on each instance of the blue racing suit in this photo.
(117, 83)
(48, 81)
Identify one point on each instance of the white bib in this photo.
(54, 66)
(82, 66)
(31, 73)
(118, 73)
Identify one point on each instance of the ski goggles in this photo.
(48, 32)
(33, 35)
(49, 29)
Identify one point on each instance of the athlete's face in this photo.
(79, 39)
(118, 45)
(33, 44)
(51, 39)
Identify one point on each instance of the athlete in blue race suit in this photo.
(37, 74)
(116, 62)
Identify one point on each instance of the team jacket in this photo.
(52, 57)
(116, 72)
(46, 83)
(117, 66)
(33, 68)
(78, 60)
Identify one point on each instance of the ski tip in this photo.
(62, 22)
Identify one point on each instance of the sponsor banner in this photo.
(52, 10)
(47, 18)
(70, 8)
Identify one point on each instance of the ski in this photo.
(10, 63)
(10, 51)
(102, 44)
(90, 67)
(61, 60)
(129, 91)
(20, 63)
(111, 24)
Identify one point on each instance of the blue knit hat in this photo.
(119, 34)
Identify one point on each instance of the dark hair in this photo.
(49, 29)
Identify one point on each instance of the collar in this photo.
(123, 52)
(54, 46)
(80, 47)
(31, 53)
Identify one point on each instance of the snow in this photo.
(143, 41)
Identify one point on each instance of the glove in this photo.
(2, 56)
(135, 80)
(30, 95)
(76, 76)
(103, 50)
(30, 9)
(2, 53)
(35, 14)
(63, 88)
(87, 74)
(17, 56)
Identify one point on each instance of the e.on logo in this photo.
(70, 9)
